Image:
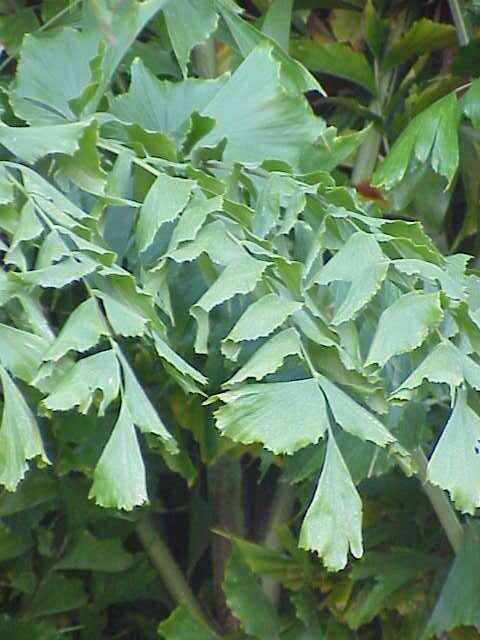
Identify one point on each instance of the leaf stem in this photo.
(205, 59)
(461, 21)
(281, 510)
(164, 562)
(441, 504)
(225, 493)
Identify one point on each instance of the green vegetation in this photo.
(239, 320)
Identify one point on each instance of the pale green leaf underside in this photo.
(158, 105)
(262, 318)
(82, 331)
(189, 23)
(141, 410)
(371, 266)
(239, 277)
(77, 388)
(429, 271)
(280, 124)
(353, 417)
(164, 202)
(405, 325)
(269, 357)
(32, 143)
(454, 465)
(333, 523)
(445, 364)
(283, 416)
(20, 438)
(21, 352)
(119, 479)
(61, 274)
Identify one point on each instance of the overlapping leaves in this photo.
(284, 278)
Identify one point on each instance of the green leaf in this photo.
(77, 76)
(77, 388)
(44, 98)
(87, 553)
(124, 320)
(119, 285)
(430, 137)
(365, 280)
(38, 488)
(189, 23)
(470, 103)
(333, 522)
(214, 240)
(119, 479)
(183, 372)
(51, 201)
(247, 601)
(21, 352)
(269, 357)
(281, 124)
(165, 201)
(246, 38)
(276, 22)
(353, 417)
(82, 331)
(335, 59)
(141, 410)
(12, 545)
(185, 625)
(454, 462)
(83, 168)
(163, 106)
(193, 218)
(32, 143)
(404, 326)
(391, 571)
(375, 29)
(26, 630)
(15, 25)
(332, 150)
(260, 319)
(6, 187)
(423, 37)
(29, 228)
(57, 594)
(445, 364)
(239, 277)
(20, 438)
(412, 266)
(459, 601)
(128, 26)
(60, 274)
(283, 416)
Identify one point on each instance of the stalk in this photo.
(367, 156)
(164, 562)
(441, 504)
(205, 59)
(225, 493)
(280, 512)
(461, 21)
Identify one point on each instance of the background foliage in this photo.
(239, 337)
